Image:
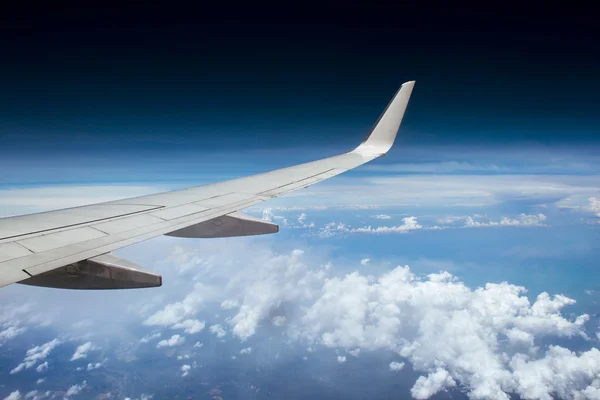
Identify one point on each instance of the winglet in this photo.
(382, 135)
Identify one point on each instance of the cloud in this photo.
(521, 220)
(42, 367)
(10, 333)
(341, 359)
(41, 380)
(450, 190)
(365, 261)
(396, 366)
(198, 345)
(36, 354)
(301, 218)
(76, 389)
(174, 340)
(218, 330)
(148, 338)
(408, 224)
(185, 369)
(16, 395)
(81, 351)
(190, 326)
(381, 216)
(247, 350)
(93, 366)
(278, 320)
(445, 329)
(425, 387)
(174, 313)
(355, 352)
(595, 206)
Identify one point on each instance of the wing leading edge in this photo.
(41, 249)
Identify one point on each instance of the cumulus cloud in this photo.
(151, 337)
(396, 366)
(198, 345)
(185, 369)
(174, 313)
(408, 224)
(521, 220)
(81, 351)
(218, 330)
(247, 350)
(36, 354)
(41, 380)
(341, 359)
(445, 329)
(93, 366)
(190, 326)
(481, 221)
(174, 340)
(76, 389)
(278, 320)
(425, 387)
(365, 261)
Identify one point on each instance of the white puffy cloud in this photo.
(93, 366)
(174, 340)
(561, 373)
(396, 366)
(76, 389)
(341, 359)
(36, 354)
(16, 395)
(185, 370)
(247, 350)
(365, 261)
(408, 224)
(521, 220)
(218, 330)
(148, 338)
(174, 313)
(190, 326)
(42, 367)
(445, 329)
(81, 351)
(436, 381)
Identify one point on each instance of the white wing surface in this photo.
(71, 248)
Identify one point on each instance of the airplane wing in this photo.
(71, 248)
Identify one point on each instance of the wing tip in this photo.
(383, 134)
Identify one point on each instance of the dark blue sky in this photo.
(147, 78)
